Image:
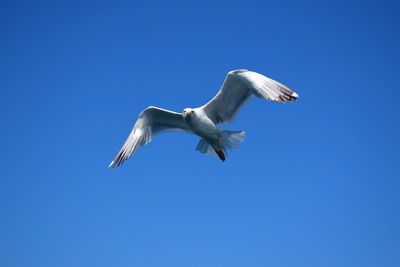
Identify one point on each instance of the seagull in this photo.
(238, 87)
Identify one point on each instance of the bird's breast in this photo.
(201, 125)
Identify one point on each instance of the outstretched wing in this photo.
(239, 86)
(151, 121)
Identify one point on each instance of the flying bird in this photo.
(238, 87)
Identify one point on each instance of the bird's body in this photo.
(238, 87)
(201, 124)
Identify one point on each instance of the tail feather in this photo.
(229, 140)
(205, 147)
(232, 139)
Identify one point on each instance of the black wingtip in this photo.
(288, 97)
(220, 154)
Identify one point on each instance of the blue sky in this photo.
(316, 183)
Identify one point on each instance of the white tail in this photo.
(232, 139)
(229, 140)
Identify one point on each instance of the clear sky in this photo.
(316, 183)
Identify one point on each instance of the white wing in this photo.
(239, 86)
(151, 121)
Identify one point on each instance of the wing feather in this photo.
(238, 87)
(151, 121)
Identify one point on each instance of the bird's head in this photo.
(187, 112)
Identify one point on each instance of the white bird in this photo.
(238, 87)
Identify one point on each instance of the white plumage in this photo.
(237, 88)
